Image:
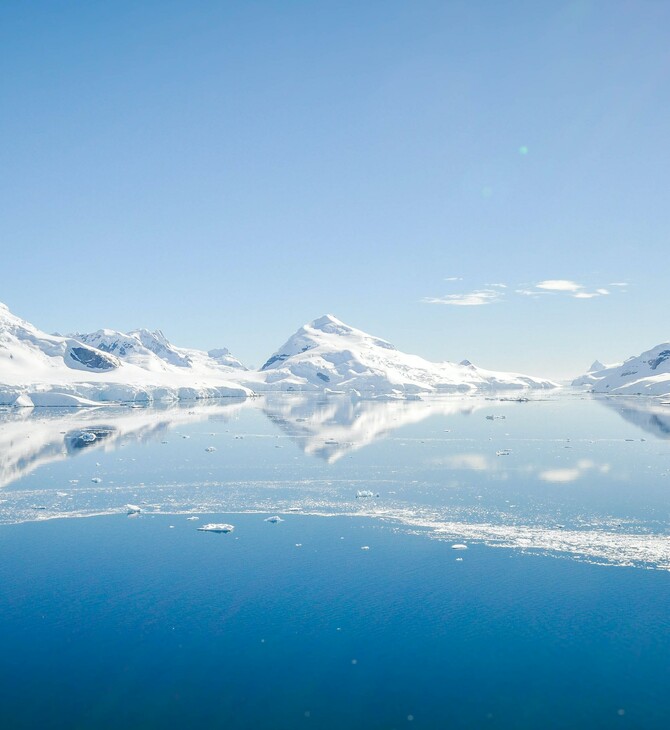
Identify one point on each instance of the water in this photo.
(353, 611)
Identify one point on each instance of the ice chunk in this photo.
(274, 519)
(363, 493)
(216, 527)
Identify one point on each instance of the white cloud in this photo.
(454, 278)
(561, 285)
(471, 299)
(498, 286)
(619, 283)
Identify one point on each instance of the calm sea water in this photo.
(354, 611)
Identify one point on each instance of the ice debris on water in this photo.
(133, 509)
(459, 546)
(216, 527)
(96, 480)
(210, 449)
(503, 452)
(192, 519)
(274, 519)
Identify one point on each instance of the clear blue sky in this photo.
(228, 171)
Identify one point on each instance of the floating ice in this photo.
(216, 527)
(459, 546)
(274, 519)
(362, 493)
(133, 509)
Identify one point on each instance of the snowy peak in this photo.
(157, 343)
(328, 333)
(645, 374)
(153, 351)
(327, 353)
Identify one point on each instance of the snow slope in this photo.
(328, 354)
(645, 374)
(41, 369)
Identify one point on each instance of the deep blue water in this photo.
(556, 616)
(110, 622)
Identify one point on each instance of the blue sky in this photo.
(228, 171)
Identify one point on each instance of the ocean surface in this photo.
(354, 609)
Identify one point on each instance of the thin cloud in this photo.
(454, 278)
(496, 292)
(619, 283)
(470, 299)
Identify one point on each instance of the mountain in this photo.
(328, 354)
(143, 366)
(41, 369)
(645, 374)
(154, 352)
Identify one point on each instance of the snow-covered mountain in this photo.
(325, 355)
(645, 374)
(41, 369)
(154, 352)
(328, 354)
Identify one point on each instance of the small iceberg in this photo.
(133, 509)
(210, 449)
(459, 546)
(216, 527)
(503, 452)
(274, 519)
(96, 480)
(363, 493)
(192, 519)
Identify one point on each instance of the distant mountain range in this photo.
(143, 366)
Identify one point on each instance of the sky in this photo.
(481, 179)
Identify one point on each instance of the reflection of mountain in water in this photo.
(330, 427)
(31, 439)
(651, 417)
